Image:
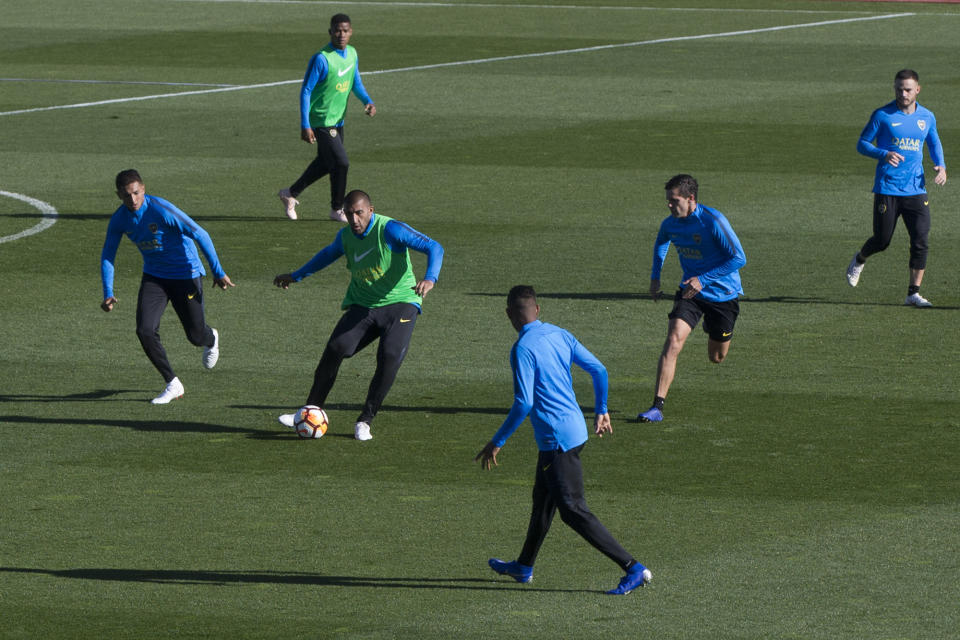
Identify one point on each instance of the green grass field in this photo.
(806, 488)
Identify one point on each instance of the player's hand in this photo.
(655, 291)
(370, 109)
(487, 456)
(107, 304)
(941, 178)
(691, 287)
(601, 424)
(284, 280)
(307, 135)
(223, 282)
(893, 158)
(423, 287)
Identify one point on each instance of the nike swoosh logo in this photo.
(190, 296)
(725, 334)
(895, 124)
(925, 203)
(343, 72)
(357, 257)
(402, 320)
(547, 467)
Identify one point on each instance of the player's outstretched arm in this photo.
(223, 282)
(284, 280)
(108, 302)
(488, 456)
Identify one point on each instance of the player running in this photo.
(711, 257)
(383, 300)
(172, 272)
(899, 129)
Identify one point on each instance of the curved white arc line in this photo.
(47, 209)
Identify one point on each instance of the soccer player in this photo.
(894, 136)
(383, 300)
(172, 272)
(333, 72)
(543, 390)
(711, 256)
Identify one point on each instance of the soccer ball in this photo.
(311, 422)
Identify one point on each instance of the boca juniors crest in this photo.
(922, 124)
(153, 227)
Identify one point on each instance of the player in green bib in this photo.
(383, 300)
(331, 76)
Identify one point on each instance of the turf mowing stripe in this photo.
(460, 63)
(575, 7)
(48, 211)
(167, 84)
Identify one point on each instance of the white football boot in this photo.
(212, 354)
(917, 300)
(289, 203)
(854, 269)
(361, 431)
(338, 215)
(172, 391)
(287, 419)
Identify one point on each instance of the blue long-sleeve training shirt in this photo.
(543, 387)
(894, 130)
(165, 236)
(399, 237)
(316, 73)
(708, 249)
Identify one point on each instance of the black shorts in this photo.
(718, 317)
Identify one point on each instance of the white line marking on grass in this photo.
(239, 87)
(167, 84)
(460, 63)
(48, 211)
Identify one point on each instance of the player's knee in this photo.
(146, 333)
(338, 350)
(573, 513)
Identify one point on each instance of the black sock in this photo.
(658, 403)
(912, 289)
(860, 259)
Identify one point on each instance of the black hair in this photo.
(128, 176)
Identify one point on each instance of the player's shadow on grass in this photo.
(835, 301)
(341, 406)
(89, 396)
(175, 426)
(81, 217)
(227, 578)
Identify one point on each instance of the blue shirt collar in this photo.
(530, 325)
